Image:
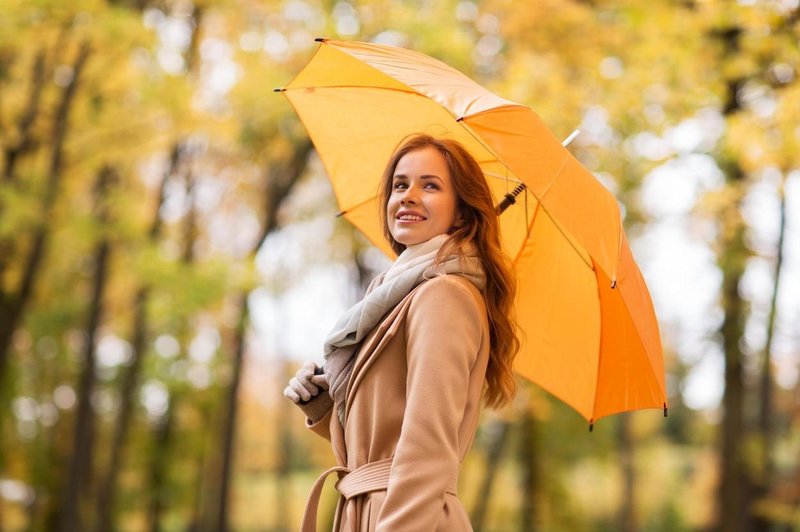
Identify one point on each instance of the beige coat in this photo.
(414, 398)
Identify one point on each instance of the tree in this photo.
(79, 477)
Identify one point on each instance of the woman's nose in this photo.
(409, 196)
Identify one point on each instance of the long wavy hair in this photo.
(479, 225)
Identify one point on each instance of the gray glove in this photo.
(304, 390)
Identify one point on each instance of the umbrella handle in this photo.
(509, 199)
(317, 371)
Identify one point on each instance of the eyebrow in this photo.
(426, 176)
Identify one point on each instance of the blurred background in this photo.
(170, 255)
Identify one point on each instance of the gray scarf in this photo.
(415, 265)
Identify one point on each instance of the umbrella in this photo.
(590, 333)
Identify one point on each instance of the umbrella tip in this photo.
(278, 89)
(571, 137)
(666, 410)
(613, 284)
(591, 425)
(319, 39)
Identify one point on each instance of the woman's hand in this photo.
(306, 383)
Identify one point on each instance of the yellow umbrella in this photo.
(590, 332)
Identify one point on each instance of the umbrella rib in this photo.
(483, 143)
(564, 234)
(393, 89)
(556, 176)
(356, 206)
(599, 359)
(410, 92)
(502, 177)
(530, 226)
(510, 104)
(619, 251)
(556, 224)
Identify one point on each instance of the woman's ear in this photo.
(459, 221)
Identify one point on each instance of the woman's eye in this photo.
(399, 186)
(432, 186)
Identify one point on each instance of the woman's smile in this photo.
(405, 216)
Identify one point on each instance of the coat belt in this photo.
(373, 476)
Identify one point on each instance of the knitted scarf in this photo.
(414, 266)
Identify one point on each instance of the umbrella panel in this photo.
(580, 332)
(631, 378)
(330, 67)
(557, 307)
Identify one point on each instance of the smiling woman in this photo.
(406, 368)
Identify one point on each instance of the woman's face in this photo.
(422, 203)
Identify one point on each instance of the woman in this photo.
(407, 366)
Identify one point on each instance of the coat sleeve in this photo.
(444, 333)
(321, 427)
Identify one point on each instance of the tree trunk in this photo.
(530, 476)
(80, 466)
(280, 180)
(284, 469)
(26, 120)
(179, 158)
(733, 504)
(108, 488)
(794, 496)
(206, 477)
(231, 415)
(12, 306)
(158, 470)
(24, 144)
(627, 516)
(164, 429)
(498, 432)
(13, 302)
(733, 496)
(106, 495)
(765, 426)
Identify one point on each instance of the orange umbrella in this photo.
(590, 332)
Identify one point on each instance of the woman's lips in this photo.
(406, 216)
(409, 219)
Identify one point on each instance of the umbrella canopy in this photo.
(590, 335)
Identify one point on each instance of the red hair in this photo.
(479, 225)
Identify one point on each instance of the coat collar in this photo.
(374, 344)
